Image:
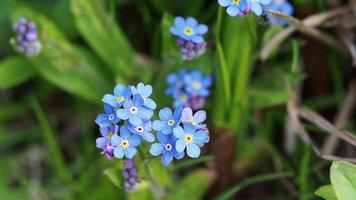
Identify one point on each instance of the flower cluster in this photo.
(179, 132)
(281, 6)
(130, 175)
(26, 37)
(243, 7)
(189, 88)
(190, 37)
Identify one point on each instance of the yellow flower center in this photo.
(236, 1)
(171, 122)
(120, 99)
(188, 31)
(125, 143)
(183, 97)
(188, 138)
(196, 85)
(192, 121)
(110, 135)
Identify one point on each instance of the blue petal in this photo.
(189, 128)
(177, 155)
(105, 130)
(200, 116)
(179, 22)
(193, 150)
(109, 109)
(233, 10)
(178, 132)
(144, 90)
(116, 140)
(158, 125)
(147, 136)
(197, 38)
(187, 114)
(119, 152)
(149, 103)
(167, 130)
(224, 3)
(207, 81)
(123, 114)
(191, 22)
(110, 99)
(174, 31)
(101, 142)
(265, 2)
(119, 90)
(102, 120)
(137, 100)
(125, 132)
(162, 138)
(180, 145)
(178, 114)
(200, 137)
(166, 159)
(256, 8)
(165, 114)
(156, 149)
(134, 140)
(130, 152)
(201, 29)
(135, 120)
(145, 113)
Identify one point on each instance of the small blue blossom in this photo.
(107, 134)
(175, 81)
(168, 120)
(189, 29)
(125, 144)
(197, 84)
(121, 94)
(108, 118)
(189, 138)
(134, 111)
(145, 91)
(195, 120)
(166, 148)
(281, 6)
(181, 99)
(257, 6)
(235, 7)
(143, 130)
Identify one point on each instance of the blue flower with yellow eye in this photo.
(121, 94)
(282, 6)
(196, 84)
(125, 144)
(107, 134)
(145, 91)
(166, 148)
(257, 6)
(134, 111)
(169, 120)
(143, 130)
(108, 118)
(195, 119)
(189, 29)
(235, 7)
(190, 139)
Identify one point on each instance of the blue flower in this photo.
(257, 6)
(168, 120)
(197, 84)
(121, 94)
(134, 111)
(189, 29)
(196, 120)
(145, 91)
(166, 148)
(189, 138)
(125, 144)
(181, 99)
(108, 118)
(282, 6)
(143, 130)
(107, 134)
(175, 82)
(235, 7)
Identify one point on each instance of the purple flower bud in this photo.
(180, 41)
(130, 175)
(31, 26)
(28, 44)
(31, 36)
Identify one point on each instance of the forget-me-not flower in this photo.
(125, 144)
(175, 81)
(281, 6)
(121, 94)
(197, 84)
(235, 7)
(107, 134)
(166, 148)
(257, 6)
(143, 130)
(145, 91)
(169, 120)
(134, 111)
(108, 118)
(189, 138)
(189, 29)
(195, 120)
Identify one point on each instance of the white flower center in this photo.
(139, 129)
(168, 147)
(133, 110)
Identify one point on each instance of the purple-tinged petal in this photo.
(200, 116)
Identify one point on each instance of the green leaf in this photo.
(343, 180)
(103, 35)
(192, 186)
(142, 192)
(14, 71)
(169, 51)
(63, 64)
(115, 174)
(262, 98)
(326, 192)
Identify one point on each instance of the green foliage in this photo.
(326, 192)
(14, 71)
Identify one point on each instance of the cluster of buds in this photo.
(130, 175)
(26, 37)
(190, 50)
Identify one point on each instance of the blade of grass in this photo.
(251, 181)
(303, 175)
